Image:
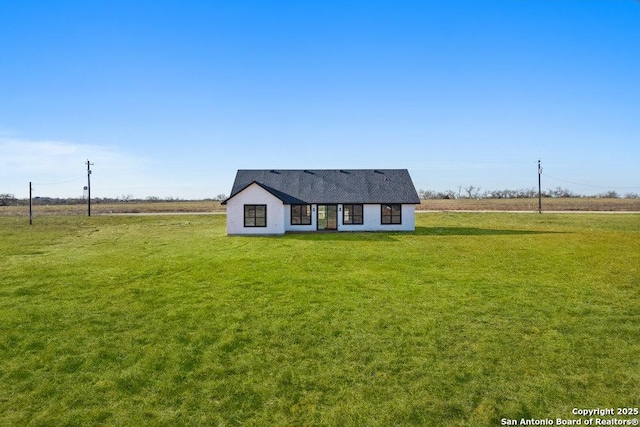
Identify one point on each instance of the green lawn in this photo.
(164, 320)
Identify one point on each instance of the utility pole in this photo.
(30, 204)
(89, 187)
(539, 188)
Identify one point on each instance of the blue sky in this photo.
(170, 98)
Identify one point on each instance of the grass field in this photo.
(164, 320)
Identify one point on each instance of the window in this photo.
(392, 214)
(300, 214)
(352, 214)
(255, 215)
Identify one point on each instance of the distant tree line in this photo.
(472, 192)
(7, 199)
(469, 192)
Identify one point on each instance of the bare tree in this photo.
(609, 195)
(472, 192)
(7, 199)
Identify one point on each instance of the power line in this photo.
(590, 185)
(58, 183)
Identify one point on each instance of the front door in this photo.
(327, 217)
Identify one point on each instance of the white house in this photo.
(280, 201)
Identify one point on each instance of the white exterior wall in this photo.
(287, 220)
(372, 220)
(408, 217)
(279, 215)
(255, 195)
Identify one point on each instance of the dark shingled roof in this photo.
(332, 186)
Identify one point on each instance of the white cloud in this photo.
(58, 169)
(46, 157)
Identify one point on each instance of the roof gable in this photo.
(331, 185)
